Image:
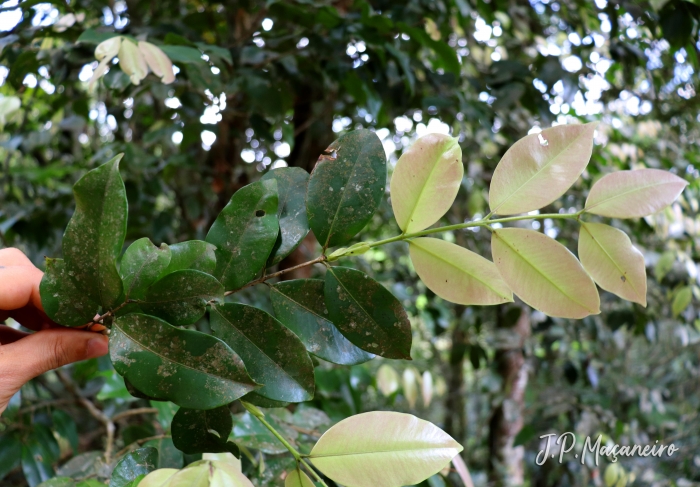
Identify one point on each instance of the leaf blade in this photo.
(197, 431)
(633, 194)
(532, 174)
(297, 478)
(196, 370)
(197, 255)
(141, 265)
(138, 462)
(614, 263)
(425, 181)
(63, 302)
(457, 274)
(543, 273)
(383, 448)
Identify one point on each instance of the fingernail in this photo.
(97, 347)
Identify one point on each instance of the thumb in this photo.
(45, 350)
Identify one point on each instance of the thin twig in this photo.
(133, 412)
(93, 410)
(264, 278)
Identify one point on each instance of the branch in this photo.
(96, 413)
(133, 412)
(264, 278)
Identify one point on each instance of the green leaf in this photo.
(63, 302)
(425, 182)
(291, 210)
(633, 194)
(58, 482)
(39, 452)
(457, 274)
(196, 431)
(273, 355)
(263, 402)
(183, 54)
(186, 367)
(539, 168)
(95, 234)
(367, 314)
(383, 448)
(346, 186)
(613, 262)
(168, 455)
(91, 36)
(244, 233)
(192, 254)
(681, 300)
(251, 433)
(138, 462)
(300, 306)
(141, 265)
(66, 428)
(297, 478)
(181, 298)
(10, 454)
(544, 273)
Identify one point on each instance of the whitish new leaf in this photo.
(297, 478)
(614, 263)
(633, 194)
(425, 181)
(544, 274)
(387, 380)
(410, 386)
(457, 274)
(539, 168)
(383, 449)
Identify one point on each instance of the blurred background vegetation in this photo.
(272, 85)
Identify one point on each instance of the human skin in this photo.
(24, 356)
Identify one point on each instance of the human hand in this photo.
(24, 356)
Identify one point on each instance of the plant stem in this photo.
(295, 453)
(264, 278)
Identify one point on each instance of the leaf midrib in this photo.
(542, 273)
(633, 190)
(374, 452)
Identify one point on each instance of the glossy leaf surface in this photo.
(192, 254)
(244, 233)
(613, 262)
(543, 273)
(300, 306)
(181, 298)
(633, 194)
(457, 274)
(95, 234)
(141, 266)
(272, 353)
(383, 448)
(291, 210)
(197, 431)
(367, 314)
(539, 168)
(63, 302)
(346, 186)
(138, 462)
(426, 180)
(189, 368)
(168, 455)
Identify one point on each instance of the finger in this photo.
(43, 351)
(10, 335)
(13, 257)
(19, 287)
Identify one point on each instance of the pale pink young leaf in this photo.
(97, 74)
(456, 274)
(108, 49)
(158, 61)
(634, 194)
(544, 273)
(132, 62)
(539, 168)
(426, 181)
(297, 478)
(614, 263)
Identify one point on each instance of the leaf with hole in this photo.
(141, 266)
(539, 168)
(192, 254)
(633, 194)
(426, 180)
(300, 306)
(291, 210)
(456, 274)
(613, 262)
(95, 234)
(544, 273)
(63, 302)
(383, 448)
(367, 314)
(345, 187)
(138, 462)
(189, 368)
(273, 354)
(181, 298)
(197, 431)
(244, 233)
